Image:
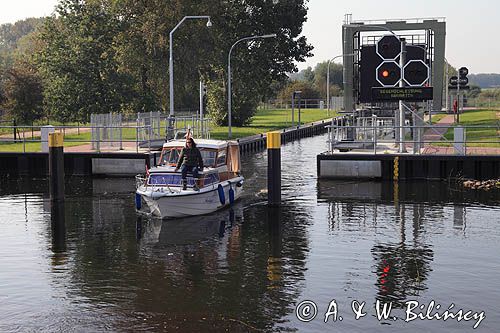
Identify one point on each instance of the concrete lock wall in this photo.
(351, 169)
(117, 166)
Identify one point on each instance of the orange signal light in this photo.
(385, 73)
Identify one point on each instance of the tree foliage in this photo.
(23, 93)
(20, 85)
(99, 56)
(336, 78)
(78, 62)
(307, 91)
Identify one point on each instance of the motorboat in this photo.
(218, 185)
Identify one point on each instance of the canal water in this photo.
(93, 265)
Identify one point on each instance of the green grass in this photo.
(263, 121)
(478, 135)
(270, 120)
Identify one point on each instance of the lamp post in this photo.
(229, 93)
(171, 62)
(328, 78)
(446, 86)
(296, 92)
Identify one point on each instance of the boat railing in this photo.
(142, 181)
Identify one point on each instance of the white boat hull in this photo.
(189, 203)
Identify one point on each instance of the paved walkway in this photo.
(437, 133)
(38, 134)
(128, 147)
(439, 129)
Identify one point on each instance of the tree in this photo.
(20, 85)
(304, 75)
(78, 61)
(308, 91)
(107, 55)
(23, 93)
(336, 78)
(257, 63)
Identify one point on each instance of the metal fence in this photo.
(106, 131)
(336, 104)
(182, 122)
(29, 138)
(150, 126)
(376, 134)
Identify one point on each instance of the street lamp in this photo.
(446, 89)
(229, 77)
(296, 92)
(171, 58)
(328, 78)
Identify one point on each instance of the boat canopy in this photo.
(215, 153)
(200, 143)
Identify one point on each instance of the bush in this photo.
(243, 106)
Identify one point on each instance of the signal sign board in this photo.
(416, 73)
(402, 93)
(389, 47)
(461, 80)
(388, 73)
(453, 80)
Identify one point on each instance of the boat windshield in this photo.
(170, 179)
(208, 157)
(169, 156)
(175, 179)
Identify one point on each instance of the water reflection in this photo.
(387, 192)
(224, 271)
(401, 266)
(401, 271)
(105, 268)
(459, 217)
(58, 227)
(187, 230)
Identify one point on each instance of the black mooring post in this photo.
(274, 168)
(56, 166)
(58, 226)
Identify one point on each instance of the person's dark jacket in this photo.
(190, 157)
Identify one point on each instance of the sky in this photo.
(472, 39)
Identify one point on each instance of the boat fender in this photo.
(222, 197)
(231, 194)
(138, 201)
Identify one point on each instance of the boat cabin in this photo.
(221, 158)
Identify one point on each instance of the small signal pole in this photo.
(274, 168)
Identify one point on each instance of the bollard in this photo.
(58, 227)
(56, 166)
(274, 168)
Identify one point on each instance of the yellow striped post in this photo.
(396, 168)
(56, 166)
(274, 168)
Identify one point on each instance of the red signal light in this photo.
(385, 73)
